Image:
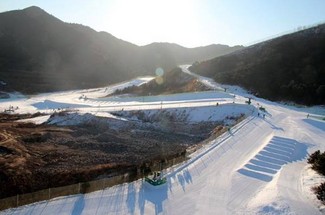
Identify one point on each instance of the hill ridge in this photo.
(41, 53)
(290, 67)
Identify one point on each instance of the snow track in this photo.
(255, 168)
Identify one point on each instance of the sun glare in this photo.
(145, 20)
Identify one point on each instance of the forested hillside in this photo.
(290, 67)
(40, 53)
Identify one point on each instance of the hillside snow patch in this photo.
(190, 115)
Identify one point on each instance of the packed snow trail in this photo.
(256, 168)
(212, 183)
(209, 82)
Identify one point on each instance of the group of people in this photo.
(11, 109)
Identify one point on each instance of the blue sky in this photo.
(189, 23)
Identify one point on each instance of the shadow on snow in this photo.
(318, 124)
(155, 195)
(278, 152)
(79, 205)
(48, 104)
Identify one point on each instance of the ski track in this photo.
(255, 168)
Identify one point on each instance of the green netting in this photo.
(156, 182)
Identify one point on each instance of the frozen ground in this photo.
(259, 167)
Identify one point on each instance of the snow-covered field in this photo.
(259, 167)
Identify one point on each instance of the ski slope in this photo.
(256, 168)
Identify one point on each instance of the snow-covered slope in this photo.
(256, 168)
(77, 99)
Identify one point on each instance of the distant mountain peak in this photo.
(33, 8)
(34, 11)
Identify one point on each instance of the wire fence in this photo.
(85, 187)
(50, 193)
(316, 117)
(299, 28)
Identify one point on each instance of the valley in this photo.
(52, 143)
(93, 124)
(262, 158)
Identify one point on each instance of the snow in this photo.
(36, 120)
(316, 124)
(48, 102)
(269, 160)
(308, 179)
(196, 114)
(209, 82)
(259, 167)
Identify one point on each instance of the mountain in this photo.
(40, 53)
(287, 68)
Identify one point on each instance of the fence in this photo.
(84, 187)
(320, 117)
(300, 28)
(50, 193)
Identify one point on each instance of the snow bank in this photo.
(191, 114)
(36, 120)
(194, 96)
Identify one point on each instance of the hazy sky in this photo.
(186, 22)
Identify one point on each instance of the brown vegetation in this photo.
(34, 157)
(174, 81)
